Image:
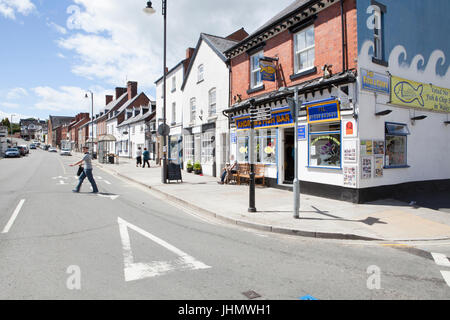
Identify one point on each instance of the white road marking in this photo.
(113, 197)
(61, 182)
(138, 270)
(13, 217)
(107, 182)
(446, 275)
(441, 259)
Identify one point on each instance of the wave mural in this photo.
(419, 69)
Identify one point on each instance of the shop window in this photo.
(325, 145)
(255, 69)
(266, 146)
(208, 147)
(242, 146)
(175, 148)
(304, 47)
(396, 144)
(189, 147)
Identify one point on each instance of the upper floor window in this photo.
(174, 112)
(193, 102)
(376, 22)
(212, 101)
(200, 73)
(255, 69)
(304, 49)
(174, 83)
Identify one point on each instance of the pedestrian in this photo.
(87, 172)
(146, 155)
(139, 157)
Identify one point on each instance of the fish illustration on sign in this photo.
(243, 150)
(406, 93)
(267, 68)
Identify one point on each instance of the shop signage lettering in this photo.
(375, 81)
(279, 118)
(301, 134)
(326, 138)
(323, 112)
(419, 95)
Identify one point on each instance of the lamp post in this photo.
(92, 119)
(10, 129)
(149, 10)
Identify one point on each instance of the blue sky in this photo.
(53, 51)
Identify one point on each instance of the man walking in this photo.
(139, 157)
(87, 172)
(146, 155)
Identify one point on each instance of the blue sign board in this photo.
(280, 117)
(375, 81)
(323, 111)
(301, 134)
(233, 138)
(268, 70)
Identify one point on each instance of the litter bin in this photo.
(111, 159)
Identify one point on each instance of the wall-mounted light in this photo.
(383, 113)
(418, 118)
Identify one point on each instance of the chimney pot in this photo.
(109, 98)
(132, 89)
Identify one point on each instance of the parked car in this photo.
(65, 152)
(27, 150)
(12, 153)
(32, 146)
(22, 150)
(52, 149)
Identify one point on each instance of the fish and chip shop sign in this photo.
(280, 117)
(376, 82)
(268, 70)
(323, 111)
(419, 95)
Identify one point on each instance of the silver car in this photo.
(12, 153)
(65, 152)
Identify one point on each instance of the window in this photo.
(396, 144)
(193, 109)
(189, 147)
(174, 112)
(325, 145)
(304, 49)
(266, 146)
(200, 73)
(212, 102)
(255, 69)
(208, 147)
(174, 83)
(175, 148)
(377, 35)
(133, 130)
(242, 146)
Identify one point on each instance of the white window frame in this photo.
(258, 55)
(174, 112)
(377, 34)
(212, 106)
(200, 73)
(193, 106)
(174, 83)
(298, 52)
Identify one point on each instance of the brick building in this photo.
(56, 132)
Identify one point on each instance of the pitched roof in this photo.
(139, 117)
(58, 120)
(218, 44)
(171, 70)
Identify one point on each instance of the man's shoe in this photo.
(75, 191)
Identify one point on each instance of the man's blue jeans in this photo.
(87, 173)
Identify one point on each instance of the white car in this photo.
(52, 149)
(65, 152)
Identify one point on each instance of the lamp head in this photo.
(149, 9)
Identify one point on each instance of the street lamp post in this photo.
(10, 129)
(92, 120)
(149, 10)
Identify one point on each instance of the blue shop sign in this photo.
(280, 117)
(301, 133)
(323, 111)
(376, 82)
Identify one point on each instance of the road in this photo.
(127, 243)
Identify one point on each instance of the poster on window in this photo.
(366, 148)
(378, 147)
(378, 167)
(349, 128)
(350, 151)
(349, 176)
(366, 167)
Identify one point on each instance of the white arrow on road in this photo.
(138, 270)
(112, 197)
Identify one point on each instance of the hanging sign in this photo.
(268, 70)
(280, 117)
(323, 111)
(419, 95)
(376, 82)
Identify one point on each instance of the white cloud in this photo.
(57, 27)
(16, 93)
(9, 8)
(113, 41)
(16, 116)
(9, 105)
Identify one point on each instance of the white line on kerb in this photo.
(446, 275)
(13, 217)
(440, 259)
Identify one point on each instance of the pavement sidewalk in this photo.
(319, 217)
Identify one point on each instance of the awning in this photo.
(90, 140)
(107, 137)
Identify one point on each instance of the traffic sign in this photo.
(163, 130)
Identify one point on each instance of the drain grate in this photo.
(251, 294)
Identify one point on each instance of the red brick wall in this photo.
(328, 50)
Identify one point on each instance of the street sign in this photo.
(163, 130)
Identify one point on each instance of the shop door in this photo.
(197, 147)
(289, 156)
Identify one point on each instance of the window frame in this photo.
(200, 73)
(298, 52)
(193, 108)
(210, 104)
(174, 113)
(253, 85)
(316, 133)
(386, 134)
(174, 83)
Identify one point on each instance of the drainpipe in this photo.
(344, 31)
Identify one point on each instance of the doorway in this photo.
(289, 155)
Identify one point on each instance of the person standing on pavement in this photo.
(139, 157)
(146, 155)
(87, 172)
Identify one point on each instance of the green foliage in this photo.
(197, 166)
(15, 126)
(189, 164)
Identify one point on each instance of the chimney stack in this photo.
(120, 91)
(109, 98)
(132, 89)
(189, 53)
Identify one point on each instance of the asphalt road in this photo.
(126, 243)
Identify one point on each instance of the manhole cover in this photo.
(251, 294)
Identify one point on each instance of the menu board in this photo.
(350, 151)
(349, 176)
(366, 167)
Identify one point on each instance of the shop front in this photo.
(175, 142)
(200, 147)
